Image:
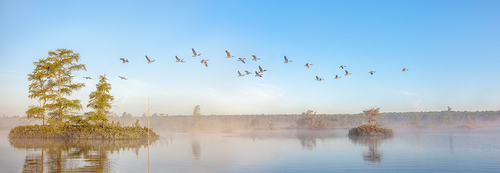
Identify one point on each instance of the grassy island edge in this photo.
(81, 132)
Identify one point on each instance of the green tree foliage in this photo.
(40, 89)
(100, 101)
(52, 83)
(370, 114)
(60, 64)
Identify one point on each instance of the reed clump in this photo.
(370, 130)
(81, 132)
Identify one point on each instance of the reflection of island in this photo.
(51, 155)
(307, 138)
(373, 154)
(195, 145)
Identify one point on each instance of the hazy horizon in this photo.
(449, 47)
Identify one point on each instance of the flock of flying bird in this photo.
(257, 73)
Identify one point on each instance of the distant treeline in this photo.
(186, 122)
(228, 122)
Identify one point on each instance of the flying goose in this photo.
(149, 61)
(179, 60)
(255, 58)
(123, 78)
(257, 74)
(404, 69)
(307, 65)
(286, 60)
(319, 79)
(242, 60)
(371, 72)
(342, 66)
(347, 73)
(337, 77)
(261, 71)
(194, 53)
(239, 74)
(228, 54)
(124, 60)
(87, 77)
(247, 73)
(204, 62)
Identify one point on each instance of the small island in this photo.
(51, 85)
(88, 131)
(371, 129)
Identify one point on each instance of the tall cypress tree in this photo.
(59, 66)
(100, 101)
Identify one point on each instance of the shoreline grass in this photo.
(81, 132)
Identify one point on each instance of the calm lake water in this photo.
(262, 151)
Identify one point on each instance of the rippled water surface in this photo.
(262, 151)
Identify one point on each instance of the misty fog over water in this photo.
(411, 150)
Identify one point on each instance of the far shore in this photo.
(465, 127)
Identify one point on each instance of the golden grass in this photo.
(81, 132)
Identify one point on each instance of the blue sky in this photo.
(451, 49)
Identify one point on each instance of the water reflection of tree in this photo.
(307, 140)
(72, 155)
(33, 163)
(195, 144)
(373, 142)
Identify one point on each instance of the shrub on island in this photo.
(372, 128)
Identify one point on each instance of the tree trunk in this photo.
(43, 112)
(59, 105)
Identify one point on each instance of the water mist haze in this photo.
(410, 150)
